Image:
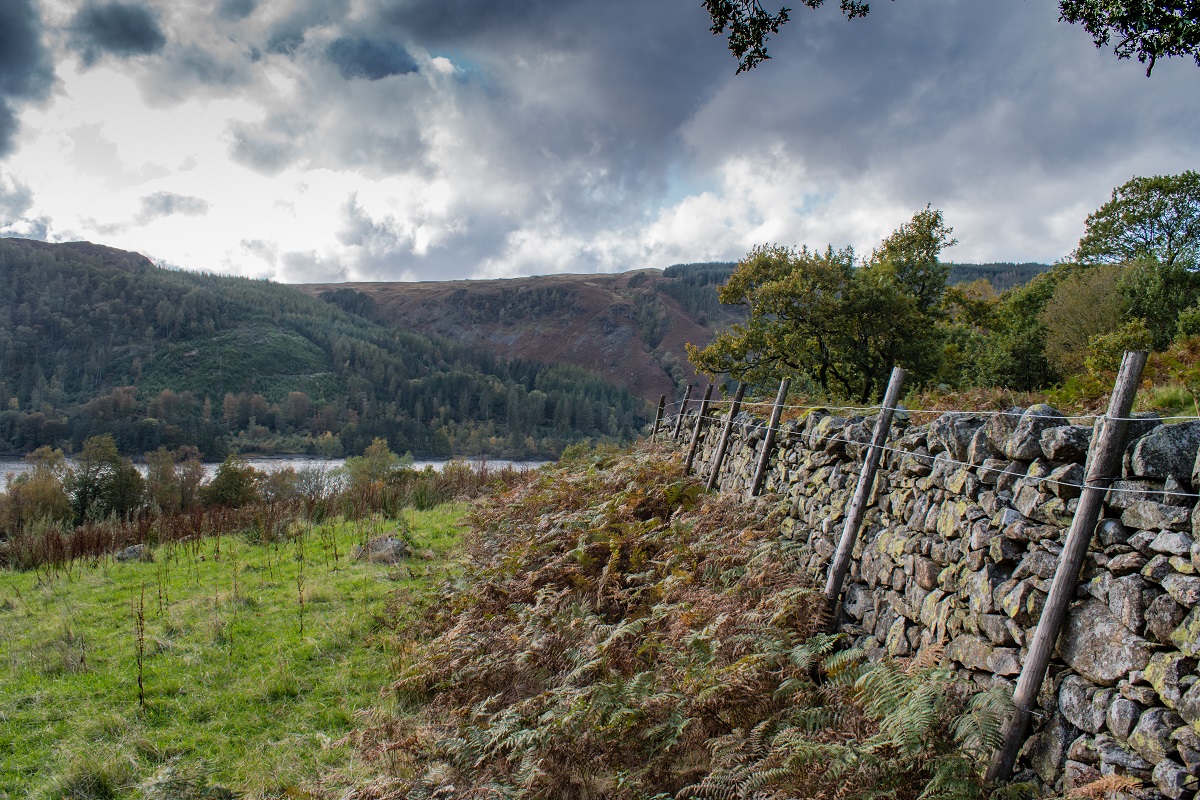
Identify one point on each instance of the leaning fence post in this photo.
(760, 472)
(1104, 458)
(687, 395)
(662, 406)
(858, 503)
(725, 432)
(691, 455)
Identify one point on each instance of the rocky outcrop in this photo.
(958, 549)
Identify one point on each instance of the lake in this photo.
(17, 466)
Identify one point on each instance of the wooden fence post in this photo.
(662, 406)
(687, 395)
(1105, 457)
(760, 472)
(725, 432)
(691, 455)
(858, 503)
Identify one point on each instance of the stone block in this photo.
(1111, 531)
(1128, 598)
(1165, 671)
(1150, 515)
(1173, 543)
(970, 651)
(1151, 737)
(1066, 443)
(1024, 444)
(1075, 702)
(1163, 617)
(1124, 493)
(1065, 481)
(1122, 715)
(1183, 589)
(1126, 564)
(1168, 450)
(1097, 646)
(1113, 752)
(1173, 780)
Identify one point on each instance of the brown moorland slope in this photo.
(630, 328)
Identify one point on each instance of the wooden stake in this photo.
(760, 472)
(662, 406)
(691, 455)
(687, 395)
(858, 503)
(725, 433)
(1104, 458)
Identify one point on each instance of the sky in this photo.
(340, 140)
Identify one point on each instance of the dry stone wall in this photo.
(966, 523)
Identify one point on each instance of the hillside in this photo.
(1000, 274)
(630, 328)
(96, 340)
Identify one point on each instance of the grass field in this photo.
(254, 660)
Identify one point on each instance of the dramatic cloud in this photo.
(373, 59)
(119, 29)
(383, 139)
(236, 10)
(26, 72)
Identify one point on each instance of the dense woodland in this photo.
(95, 340)
(837, 323)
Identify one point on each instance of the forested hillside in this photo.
(95, 340)
(631, 328)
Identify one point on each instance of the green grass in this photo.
(236, 697)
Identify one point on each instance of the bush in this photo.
(235, 485)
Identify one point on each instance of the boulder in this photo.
(135, 552)
(1184, 589)
(383, 550)
(970, 651)
(1173, 780)
(1076, 774)
(1165, 671)
(1124, 493)
(1168, 450)
(1066, 443)
(1189, 704)
(1065, 481)
(981, 448)
(1112, 752)
(1075, 702)
(1173, 543)
(1025, 443)
(1163, 617)
(1097, 646)
(1122, 715)
(1047, 749)
(1128, 598)
(1151, 738)
(1111, 531)
(1150, 515)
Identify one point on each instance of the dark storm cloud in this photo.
(119, 29)
(287, 33)
(26, 72)
(236, 10)
(373, 59)
(165, 204)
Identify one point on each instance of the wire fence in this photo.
(932, 459)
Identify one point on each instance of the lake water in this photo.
(16, 466)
